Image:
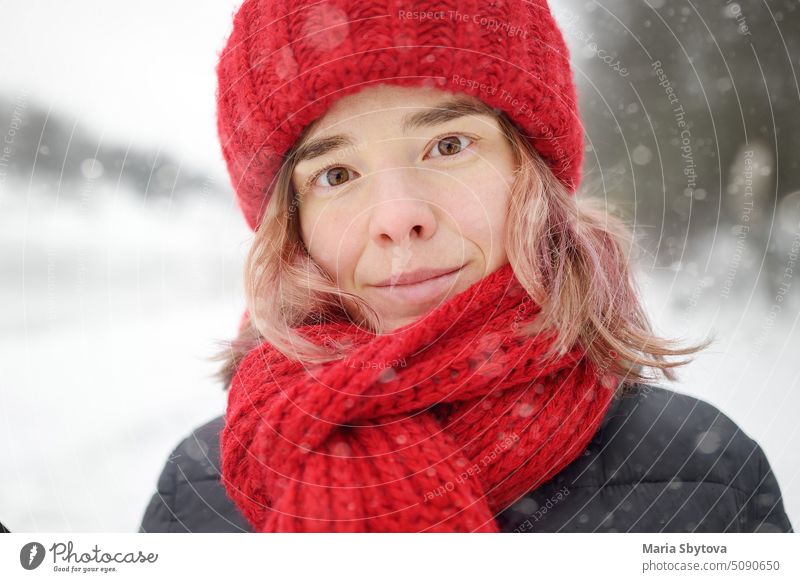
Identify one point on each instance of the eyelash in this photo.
(312, 180)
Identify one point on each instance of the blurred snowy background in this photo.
(121, 245)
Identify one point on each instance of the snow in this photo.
(108, 307)
(108, 315)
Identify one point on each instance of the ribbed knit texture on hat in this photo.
(286, 62)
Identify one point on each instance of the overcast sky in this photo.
(142, 71)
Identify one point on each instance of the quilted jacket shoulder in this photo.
(661, 462)
(189, 496)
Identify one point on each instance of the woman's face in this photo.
(403, 199)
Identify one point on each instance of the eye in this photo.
(450, 145)
(331, 176)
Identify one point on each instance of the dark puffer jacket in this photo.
(660, 462)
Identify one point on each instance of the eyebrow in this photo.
(445, 111)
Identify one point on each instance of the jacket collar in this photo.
(613, 407)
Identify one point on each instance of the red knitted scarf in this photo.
(437, 426)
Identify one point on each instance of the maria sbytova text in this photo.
(692, 549)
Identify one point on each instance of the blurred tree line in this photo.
(692, 112)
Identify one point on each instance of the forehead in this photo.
(384, 101)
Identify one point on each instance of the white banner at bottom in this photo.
(401, 557)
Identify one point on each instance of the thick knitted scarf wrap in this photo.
(437, 426)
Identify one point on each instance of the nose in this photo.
(401, 210)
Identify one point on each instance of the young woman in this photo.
(441, 335)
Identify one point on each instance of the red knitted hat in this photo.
(287, 61)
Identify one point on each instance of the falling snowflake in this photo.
(708, 442)
(326, 27)
(285, 64)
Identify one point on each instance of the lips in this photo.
(417, 276)
(422, 287)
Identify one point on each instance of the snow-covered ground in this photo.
(109, 308)
(108, 312)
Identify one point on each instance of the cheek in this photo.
(331, 237)
(479, 207)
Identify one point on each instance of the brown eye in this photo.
(335, 176)
(450, 145)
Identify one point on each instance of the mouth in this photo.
(418, 276)
(420, 286)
